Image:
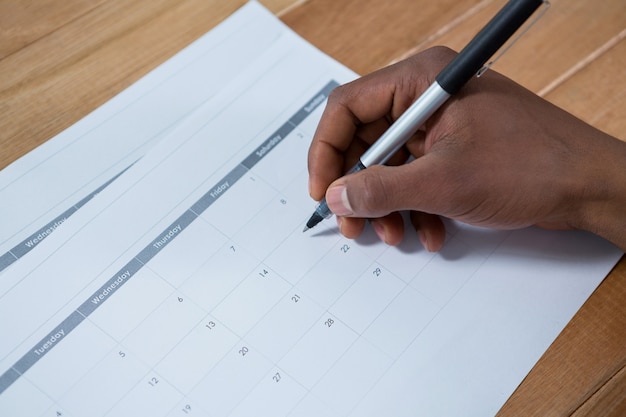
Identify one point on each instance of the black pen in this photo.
(455, 75)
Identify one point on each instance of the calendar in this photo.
(48, 185)
(187, 288)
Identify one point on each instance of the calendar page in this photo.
(187, 287)
(41, 190)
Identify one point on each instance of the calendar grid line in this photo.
(11, 375)
(433, 317)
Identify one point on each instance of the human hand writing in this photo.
(494, 155)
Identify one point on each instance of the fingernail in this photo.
(423, 239)
(337, 199)
(379, 229)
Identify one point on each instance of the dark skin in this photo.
(495, 155)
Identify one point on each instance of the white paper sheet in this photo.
(41, 190)
(187, 288)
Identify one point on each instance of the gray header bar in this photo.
(218, 189)
(108, 289)
(47, 343)
(167, 236)
(33, 240)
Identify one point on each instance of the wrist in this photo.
(602, 208)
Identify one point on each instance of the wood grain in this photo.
(23, 22)
(61, 60)
(595, 93)
(48, 85)
(609, 400)
(367, 34)
(567, 33)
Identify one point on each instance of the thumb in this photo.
(380, 190)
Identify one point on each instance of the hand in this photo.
(494, 155)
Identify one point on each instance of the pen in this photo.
(455, 75)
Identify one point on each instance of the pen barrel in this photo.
(486, 43)
(405, 126)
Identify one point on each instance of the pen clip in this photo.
(537, 15)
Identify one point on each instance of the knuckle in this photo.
(440, 53)
(435, 57)
(338, 94)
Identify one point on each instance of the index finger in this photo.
(380, 96)
(349, 107)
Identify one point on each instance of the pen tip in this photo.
(313, 221)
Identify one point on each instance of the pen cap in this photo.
(486, 43)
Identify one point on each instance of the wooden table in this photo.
(59, 60)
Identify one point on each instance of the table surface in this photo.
(59, 60)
